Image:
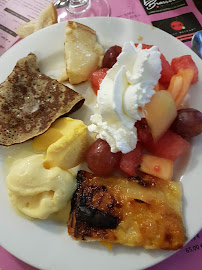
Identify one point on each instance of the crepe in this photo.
(83, 53)
(31, 101)
(137, 211)
(47, 17)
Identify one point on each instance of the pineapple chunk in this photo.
(160, 113)
(157, 166)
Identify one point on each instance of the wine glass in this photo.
(81, 8)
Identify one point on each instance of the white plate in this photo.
(45, 244)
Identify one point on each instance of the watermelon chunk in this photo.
(130, 161)
(185, 62)
(169, 146)
(143, 130)
(97, 77)
(167, 71)
(144, 46)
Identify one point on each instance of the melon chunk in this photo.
(160, 113)
(157, 166)
(175, 85)
(179, 85)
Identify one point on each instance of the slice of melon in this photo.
(179, 85)
(187, 75)
(175, 85)
(160, 113)
(157, 166)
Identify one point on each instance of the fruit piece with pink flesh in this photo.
(97, 77)
(143, 131)
(129, 162)
(160, 112)
(159, 87)
(170, 146)
(157, 166)
(167, 71)
(185, 62)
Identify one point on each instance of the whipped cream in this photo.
(123, 93)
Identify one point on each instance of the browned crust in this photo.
(31, 101)
(73, 25)
(55, 20)
(150, 223)
(97, 197)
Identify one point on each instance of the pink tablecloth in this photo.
(166, 17)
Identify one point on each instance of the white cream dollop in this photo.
(125, 90)
(37, 191)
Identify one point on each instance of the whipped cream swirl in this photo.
(125, 90)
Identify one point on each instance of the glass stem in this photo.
(78, 6)
(78, 3)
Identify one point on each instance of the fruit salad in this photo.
(165, 130)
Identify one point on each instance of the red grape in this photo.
(110, 56)
(100, 159)
(188, 123)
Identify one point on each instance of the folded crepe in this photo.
(83, 53)
(31, 101)
(47, 17)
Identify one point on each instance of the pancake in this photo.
(83, 53)
(31, 101)
(136, 211)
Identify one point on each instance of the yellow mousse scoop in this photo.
(37, 191)
(65, 142)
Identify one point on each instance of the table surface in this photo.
(190, 257)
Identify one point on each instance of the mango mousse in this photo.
(41, 184)
(65, 143)
(37, 191)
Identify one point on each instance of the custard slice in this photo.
(137, 211)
